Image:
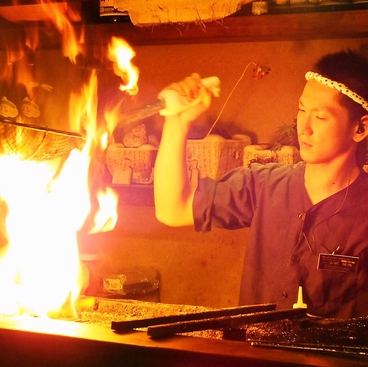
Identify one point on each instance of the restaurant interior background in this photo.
(194, 268)
(204, 268)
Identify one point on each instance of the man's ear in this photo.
(362, 130)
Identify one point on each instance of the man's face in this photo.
(324, 130)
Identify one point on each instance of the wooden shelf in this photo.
(269, 27)
(293, 24)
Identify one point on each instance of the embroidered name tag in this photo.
(346, 264)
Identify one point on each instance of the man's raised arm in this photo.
(172, 190)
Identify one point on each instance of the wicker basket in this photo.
(215, 156)
(255, 153)
(139, 160)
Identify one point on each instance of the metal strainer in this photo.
(36, 143)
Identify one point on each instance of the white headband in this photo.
(338, 86)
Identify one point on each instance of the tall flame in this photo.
(63, 21)
(42, 262)
(44, 204)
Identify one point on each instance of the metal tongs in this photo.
(233, 317)
(158, 106)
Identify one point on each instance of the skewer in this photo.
(159, 331)
(124, 326)
(159, 106)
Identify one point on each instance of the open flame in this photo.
(44, 204)
(103, 220)
(121, 54)
(41, 268)
(63, 21)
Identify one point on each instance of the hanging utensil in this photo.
(31, 142)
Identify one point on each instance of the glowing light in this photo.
(44, 204)
(41, 268)
(63, 19)
(121, 54)
(104, 221)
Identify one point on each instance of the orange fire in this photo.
(44, 204)
(103, 220)
(63, 21)
(121, 54)
(41, 267)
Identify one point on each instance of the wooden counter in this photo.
(38, 342)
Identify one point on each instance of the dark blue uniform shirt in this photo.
(288, 235)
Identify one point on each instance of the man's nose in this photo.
(304, 125)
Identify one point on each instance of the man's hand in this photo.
(187, 99)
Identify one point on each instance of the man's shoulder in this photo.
(279, 170)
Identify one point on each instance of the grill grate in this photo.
(35, 143)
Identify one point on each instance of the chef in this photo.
(308, 221)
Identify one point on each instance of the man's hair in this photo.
(351, 69)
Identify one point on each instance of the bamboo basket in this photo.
(256, 154)
(139, 160)
(215, 156)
